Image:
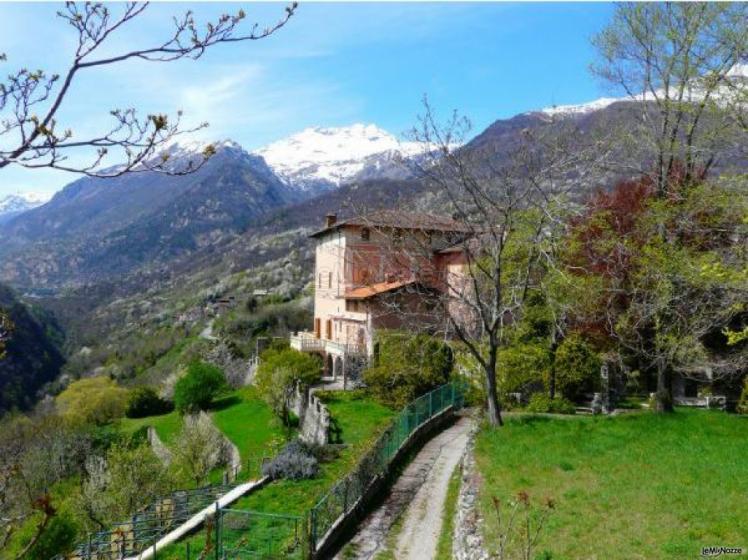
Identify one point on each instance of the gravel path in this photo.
(419, 495)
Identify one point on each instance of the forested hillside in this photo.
(33, 356)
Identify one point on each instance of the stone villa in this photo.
(368, 273)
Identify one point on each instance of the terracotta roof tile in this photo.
(402, 220)
(376, 289)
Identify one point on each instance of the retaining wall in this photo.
(314, 418)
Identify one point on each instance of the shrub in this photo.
(144, 401)
(94, 400)
(540, 402)
(407, 367)
(197, 449)
(197, 389)
(122, 482)
(743, 402)
(58, 538)
(278, 374)
(296, 461)
(577, 367)
(522, 367)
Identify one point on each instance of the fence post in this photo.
(217, 522)
(312, 531)
(431, 404)
(347, 482)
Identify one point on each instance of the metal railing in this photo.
(147, 526)
(345, 495)
(253, 534)
(308, 342)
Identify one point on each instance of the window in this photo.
(319, 280)
(365, 234)
(329, 279)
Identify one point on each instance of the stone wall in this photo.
(159, 449)
(314, 418)
(467, 541)
(228, 453)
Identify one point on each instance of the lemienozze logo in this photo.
(720, 550)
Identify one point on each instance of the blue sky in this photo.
(333, 64)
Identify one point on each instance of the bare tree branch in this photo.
(30, 101)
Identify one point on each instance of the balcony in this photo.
(307, 342)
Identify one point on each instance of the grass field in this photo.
(638, 486)
(360, 420)
(248, 422)
(167, 425)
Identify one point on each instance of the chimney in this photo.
(330, 220)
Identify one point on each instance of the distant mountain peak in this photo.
(331, 156)
(580, 108)
(14, 204)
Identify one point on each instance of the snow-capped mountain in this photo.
(738, 75)
(580, 108)
(16, 204)
(322, 158)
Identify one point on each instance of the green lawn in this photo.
(167, 425)
(360, 420)
(637, 486)
(249, 423)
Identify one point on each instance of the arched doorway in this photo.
(338, 368)
(328, 369)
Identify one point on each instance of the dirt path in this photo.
(419, 495)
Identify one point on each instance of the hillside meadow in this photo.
(636, 486)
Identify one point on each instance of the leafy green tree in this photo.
(197, 449)
(659, 298)
(280, 371)
(576, 366)
(199, 386)
(524, 366)
(93, 400)
(144, 401)
(117, 485)
(58, 538)
(407, 367)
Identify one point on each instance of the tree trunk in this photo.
(552, 373)
(492, 398)
(664, 395)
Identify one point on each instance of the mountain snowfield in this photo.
(14, 204)
(319, 157)
(737, 75)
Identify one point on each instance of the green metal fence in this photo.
(347, 492)
(146, 526)
(260, 535)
